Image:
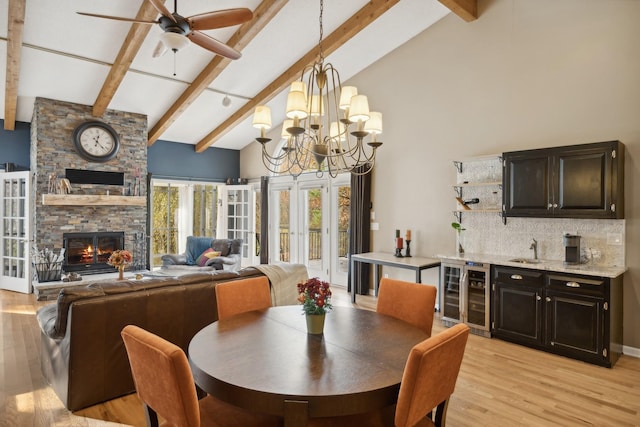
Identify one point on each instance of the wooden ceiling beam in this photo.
(128, 51)
(465, 9)
(15, 29)
(352, 26)
(264, 13)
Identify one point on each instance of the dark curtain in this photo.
(359, 226)
(264, 220)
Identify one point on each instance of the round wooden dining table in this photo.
(265, 361)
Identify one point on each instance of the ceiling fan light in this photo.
(174, 41)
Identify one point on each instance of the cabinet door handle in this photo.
(549, 206)
(516, 277)
(555, 205)
(573, 284)
(538, 297)
(547, 299)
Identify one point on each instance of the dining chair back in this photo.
(410, 302)
(162, 377)
(240, 296)
(428, 380)
(430, 376)
(164, 383)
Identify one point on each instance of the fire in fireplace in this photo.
(88, 252)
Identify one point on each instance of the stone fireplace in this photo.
(104, 209)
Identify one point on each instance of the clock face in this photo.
(96, 141)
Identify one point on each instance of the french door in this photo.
(313, 227)
(14, 231)
(235, 219)
(308, 224)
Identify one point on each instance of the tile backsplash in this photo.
(602, 242)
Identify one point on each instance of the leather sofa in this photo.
(230, 257)
(82, 354)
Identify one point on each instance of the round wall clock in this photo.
(96, 141)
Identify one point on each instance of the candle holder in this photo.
(408, 252)
(399, 246)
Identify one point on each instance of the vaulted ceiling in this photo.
(51, 51)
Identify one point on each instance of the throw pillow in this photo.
(202, 259)
(212, 254)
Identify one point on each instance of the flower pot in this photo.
(315, 323)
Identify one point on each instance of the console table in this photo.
(378, 259)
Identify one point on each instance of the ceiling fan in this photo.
(178, 30)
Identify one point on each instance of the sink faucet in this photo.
(534, 246)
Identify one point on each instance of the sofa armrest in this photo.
(174, 259)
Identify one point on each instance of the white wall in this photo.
(526, 74)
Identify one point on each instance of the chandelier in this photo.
(326, 125)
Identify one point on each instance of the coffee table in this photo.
(265, 361)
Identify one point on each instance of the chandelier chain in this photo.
(321, 30)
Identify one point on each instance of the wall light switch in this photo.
(614, 239)
(375, 226)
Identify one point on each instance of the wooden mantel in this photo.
(92, 200)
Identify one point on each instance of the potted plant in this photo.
(315, 296)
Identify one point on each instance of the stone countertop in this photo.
(587, 269)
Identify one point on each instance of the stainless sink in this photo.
(526, 260)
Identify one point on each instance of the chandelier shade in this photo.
(326, 125)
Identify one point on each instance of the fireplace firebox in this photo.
(88, 253)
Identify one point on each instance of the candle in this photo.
(397, 233)
(408, 236)
(399, 243)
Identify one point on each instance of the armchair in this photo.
(229, 257)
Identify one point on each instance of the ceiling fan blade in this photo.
(220, 18)
(162, 9)
(213, 45)
(160, 49)
(117, 18)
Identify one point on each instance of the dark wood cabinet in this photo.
(572, 315)
(517, 305)
(579, 181)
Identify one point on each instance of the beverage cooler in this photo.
(465, 295)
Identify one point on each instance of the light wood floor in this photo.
(500, 384)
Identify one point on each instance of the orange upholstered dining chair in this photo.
(428, 382)
(413, 303)
(240, 296)
(164, 383)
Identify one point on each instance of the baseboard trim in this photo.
(631, 351)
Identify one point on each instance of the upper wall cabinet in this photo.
(578, 181)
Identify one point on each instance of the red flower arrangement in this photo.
(120, 258)
(315, 296)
